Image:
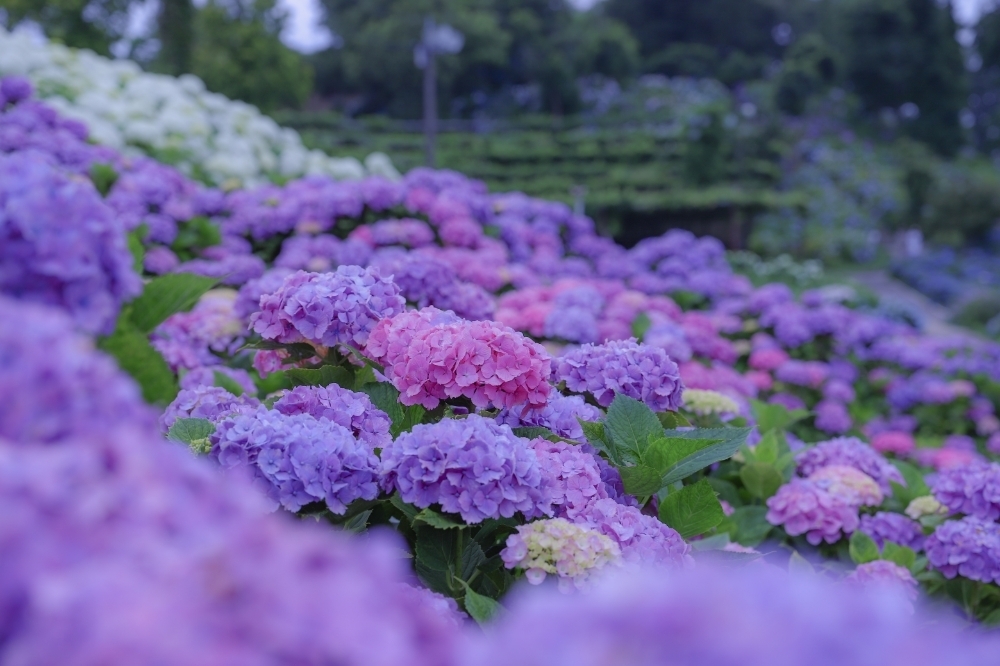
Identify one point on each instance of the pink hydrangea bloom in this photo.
(803, 507)
(893, 442)
(849, 483)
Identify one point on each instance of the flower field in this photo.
(346, 422)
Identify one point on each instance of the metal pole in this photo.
(430, 108)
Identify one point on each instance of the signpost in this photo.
(436, 40)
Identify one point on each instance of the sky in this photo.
(304, 32)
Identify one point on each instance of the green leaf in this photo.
(714, 542)
(901, 555)
(596, 434)
(194, 235)
(193, 432)
(435, 519)
(770, 448)
(358, 522)
(408, 510)
(775, 417)
(662, 453)
(228, 383)
(167, 295)
(104, 176)
(641, 480)
(692, 510)
(325, 375)
(433, 555)
(131, 348)
(364, 376)
(916, 486)
(534, 432)
(729, 442)
(761, 479)
(799, 564)
(749, 525)
(640, 325)
(136, 248)
(671, 420)
(628, 425)
(480, 608)
(862, 548)
(473, 557)
(386, 397)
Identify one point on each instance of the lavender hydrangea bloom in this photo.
(832, 417)
(205, 402)
(298, 459)
(643, 539)
(882, 573)
(60, 244)
(969, 547)
(895, 527)
(426, 280)
(248, 297)
(559, 415)
(802, 507)
(622, 366)
(970, 489)
(53, 383)
(572, 475)
(206, 376)
(327, 309)
(853, 452)
(473, 467)
(193, 339)
(349, 409)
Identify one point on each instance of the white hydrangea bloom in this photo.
(558, 547)
(132, 111)
(704, 402)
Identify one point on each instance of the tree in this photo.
(237, 52)
(904, 51)
(86, 24)
(175, 30)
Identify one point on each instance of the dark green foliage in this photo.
(809, 68)
(87, 24)
(175, 30)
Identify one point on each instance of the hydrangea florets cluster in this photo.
(60, 244)
(968, 547)
(852, 485)
(572, 475)
(925, 506)
(885, 574)
(559, 415)
(346, 408)
(853, 452)
(473, 467)
(622, 366)
(205, 402)
(643, 539)
(971, 489)
(558, 547)
(298, 459)
(483, 361)
(895, 527)
(803, 507)
(192, 339)
(327, 309)
(892, 441)
(704, 402)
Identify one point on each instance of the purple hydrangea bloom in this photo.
(231, 269)
(349, 409)
(60, 244)
(882, 573)
(248, 297)
(969, 547)
(159, 260)
(427, 280)
(205, 376)
(53, 383)
(970, 489)
(298, 459)
(853, 452)
(572, 475)
(559, 415)
(473, 467)
(13, 89)
(622, 366)
(802, 507)
(573, 324)
(321, 254)
(643, 539)
(895, 527)
(194, 339)
(832, 417)
(803, 373)
(205, 402)
(327, 309)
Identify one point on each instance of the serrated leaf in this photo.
(433, 559)
(228, 383)
(762, 480)
(131, 348)
(663, 453)
(769, 448)
(325, 375)
(916, 486)
(596, 435)
(358, 522)
(671, 420)
(729, 442)
(364, 376)
(771, 416)
(435, 519)
(166, 295)
(901, 555)
(386, 397)
(640, 480)
(863, 548)
(750, 525)
(692, 510)
(473, 557)
(480, 608)
(193, 432)
(534, 432)
(408, 510)
(628, 426)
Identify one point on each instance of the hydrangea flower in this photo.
(204, 402)
(483, 361)
(852, 485)
(853, 452)
(572, 475)
(195, 338)
(972, 489)
(346, 408)
(811, 374)
(886, 526)
(559, 415)
(622, 366)
(885, 574)
(327, 309)
(705, 402)
(832, 417)
(473, 467)
(428, 281)
(892, 441)
(298, 459)
(925, 506)
(803, 507)
(558, 547)
(205, 376)
(969, 547)
(643, 539)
